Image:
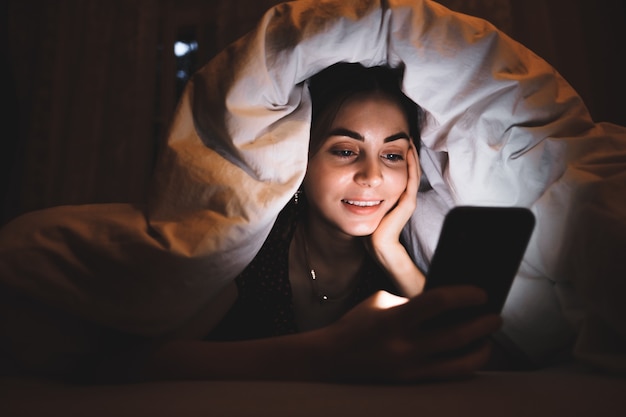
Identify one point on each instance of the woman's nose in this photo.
(369, 173)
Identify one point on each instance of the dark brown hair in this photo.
(331, 87)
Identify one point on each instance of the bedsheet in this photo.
(503, 128)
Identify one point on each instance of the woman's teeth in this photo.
(363, 203)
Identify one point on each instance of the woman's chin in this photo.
(361, 230)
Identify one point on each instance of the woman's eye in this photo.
(393, 157)
(343, 153)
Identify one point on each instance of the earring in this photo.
(296, 197)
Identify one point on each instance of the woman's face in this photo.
(360, 170)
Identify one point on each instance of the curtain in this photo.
(84, 76)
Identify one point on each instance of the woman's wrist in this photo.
(401, 268)
(302, 356)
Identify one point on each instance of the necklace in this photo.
(319, 295)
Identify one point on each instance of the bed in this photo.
(561, 391)
(504, 129)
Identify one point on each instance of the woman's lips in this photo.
(363, 203)
(362, 206)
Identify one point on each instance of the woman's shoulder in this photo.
(275, 250)
(286, 222)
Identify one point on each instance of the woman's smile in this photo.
(362, 207)
(362, 203)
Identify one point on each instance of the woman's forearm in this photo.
(381, 339)
(292, 357)
(403, 271)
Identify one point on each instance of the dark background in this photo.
(89, 86)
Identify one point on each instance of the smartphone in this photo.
(481, 246)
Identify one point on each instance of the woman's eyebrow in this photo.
(340, 131)
(399, 135)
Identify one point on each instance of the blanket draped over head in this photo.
(503, 128)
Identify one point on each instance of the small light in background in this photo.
(184, 48)
(186, 53)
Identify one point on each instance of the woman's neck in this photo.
(330, 244)
(323, 272)
(335, 256)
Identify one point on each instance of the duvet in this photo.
(503, 128)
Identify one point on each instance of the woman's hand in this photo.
(383, 339)
(378, 343)
(385, 244)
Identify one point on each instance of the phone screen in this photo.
(481, 246)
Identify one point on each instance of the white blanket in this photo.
(503, 129)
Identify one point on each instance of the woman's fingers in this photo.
(434, 302)
(430, 336)
(458, 336)
(414, 171)
(389, 338)
(408, 199)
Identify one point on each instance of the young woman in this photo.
(330, 248)
(333, 294)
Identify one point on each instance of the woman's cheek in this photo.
(400, 180)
